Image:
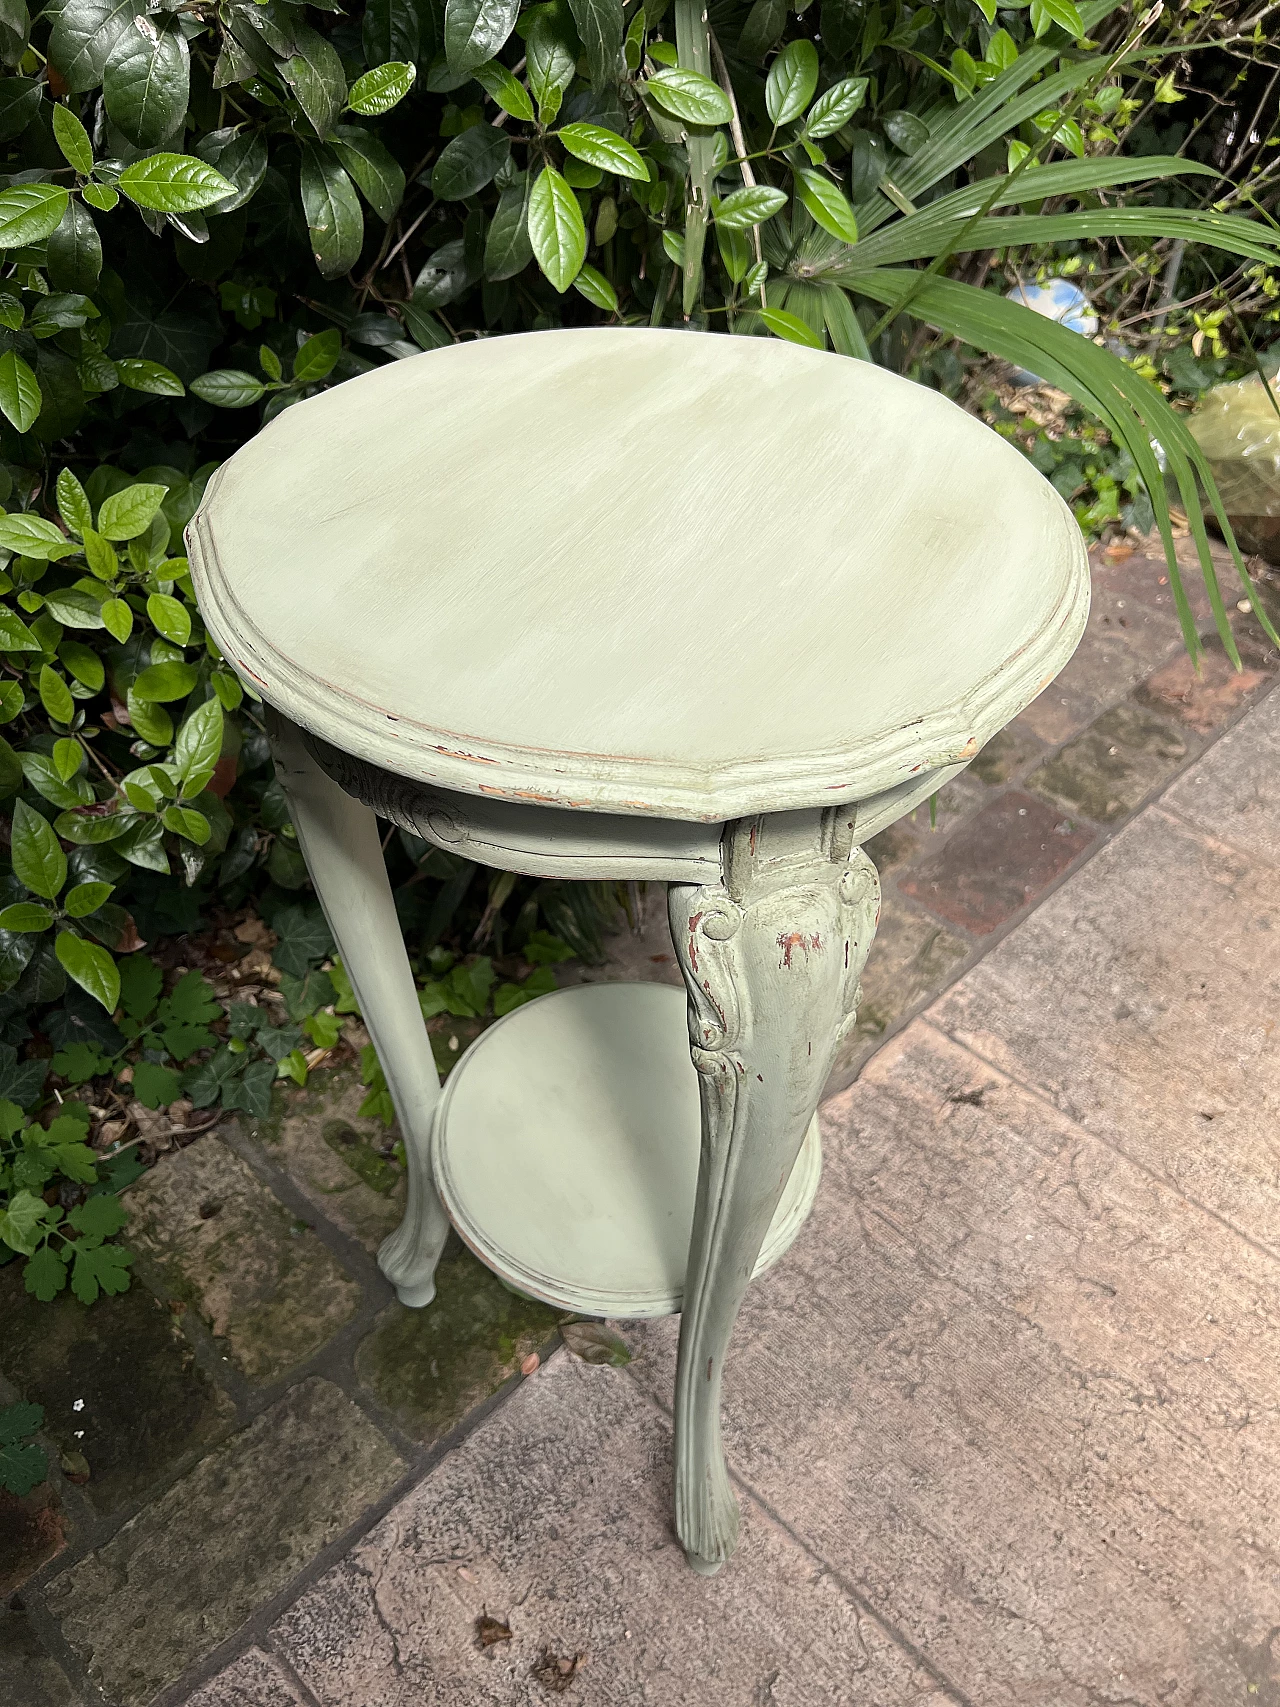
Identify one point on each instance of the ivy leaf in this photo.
(333, 214)
(474, 30)
(792, 78)
(603, 148)
(469, 162)
(91, 967)
(38, 861)
(20, 395)
(304, 939)
(380, 89)
(751, 205)
(146, 82)
(173, 183)
(689, 96)
(101, 1267)
(73, 139)
(317, 356)
(556, 229)
(29, 212)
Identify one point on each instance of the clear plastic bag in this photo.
(1238, 429)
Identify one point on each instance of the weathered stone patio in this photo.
(1005, 1420)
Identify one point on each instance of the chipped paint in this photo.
(789, 941)
(471, 758)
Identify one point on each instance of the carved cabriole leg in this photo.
(339, 840)
(771, 957)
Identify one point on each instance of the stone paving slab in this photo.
(268, 1289)
(189, 1570)
(1143, 999)
(552, 1518)
(1235, 793)
(254, 1680)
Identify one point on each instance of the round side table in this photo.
(616, 603)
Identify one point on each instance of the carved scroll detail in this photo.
(772, 975)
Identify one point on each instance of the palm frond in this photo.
(912, 241)
(1131, 407)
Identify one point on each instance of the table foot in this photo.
(339, 839)
(771, 959)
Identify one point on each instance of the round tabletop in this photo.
(626, 570)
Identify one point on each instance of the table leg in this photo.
(771, 958)
(339, 839)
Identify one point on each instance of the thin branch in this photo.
(739, 141)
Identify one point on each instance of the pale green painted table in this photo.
(709, 611)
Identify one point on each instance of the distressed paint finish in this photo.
(339, 839)
(771, 958)
(736, 575)
(531, 662)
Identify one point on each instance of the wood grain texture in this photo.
(640, 571)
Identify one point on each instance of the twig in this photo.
(408, 234)
(739, 141)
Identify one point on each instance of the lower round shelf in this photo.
(566, 1151)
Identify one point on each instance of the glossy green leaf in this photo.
(151, 377)
(101, 196)
(597, 290)
(83, 663)
(15, 636)
(25, 916)
(91, 967)
(381, 89)
(129, 512)
(199, 743)
(73, 505)
(30, 535)
(751, 205)
(68, 758)
(1065, 13)
(74, 250)
(20, 395)
(162, 682)
(689, 95)
(55, 695)
(835, 107)
(507, 249)
(470, 161)
(789, 326)
(147, 80)
(550, 66)
(170, 617)
(390, 31)
(599, 27)
(474, 30)
(603, 148)
(173, 183)
(317, 356)
(826, 204)
(228, 388)
(314, 73)
(186, 821)
(506, 89)
(83, 35)
(792, 79)
(117, 619)
(75, 607)
(377, 174)
(38, 862)
(86, 898)
(19, 102)
(29, 212)
(333, 214)
(73, 139)
(556, 229)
